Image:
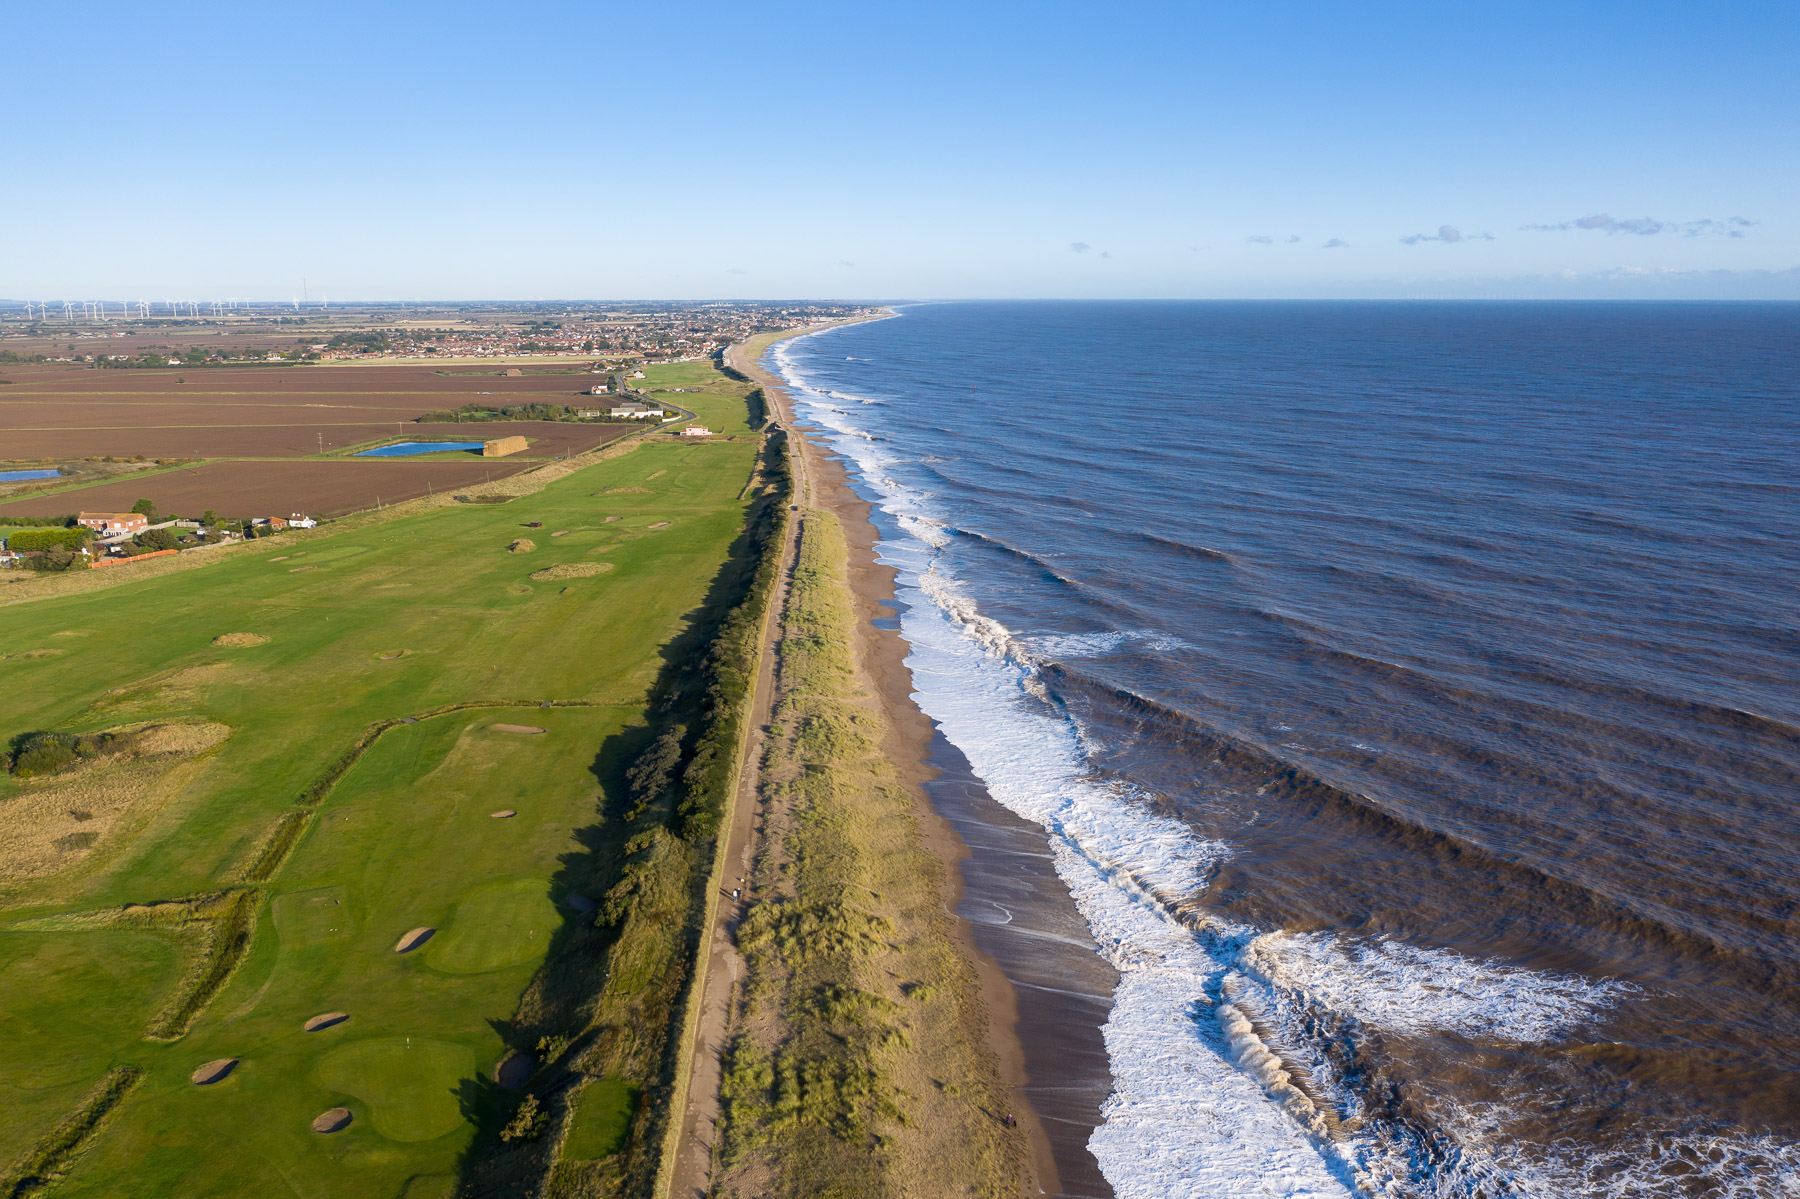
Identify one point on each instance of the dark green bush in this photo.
(26, 541)
(46, 752)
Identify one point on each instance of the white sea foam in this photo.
(1202, 1103)
(1064, 646)
(1411, 989)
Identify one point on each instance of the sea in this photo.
(1405, 695)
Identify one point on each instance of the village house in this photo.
(297, 521)
(633, 409)
(114, 524)
(696, 431)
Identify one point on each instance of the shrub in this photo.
(26, 541)
(158, 539)
(46, 752)
(528, 1123)
(57, 558)
(650, 775)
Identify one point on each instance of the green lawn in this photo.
(719, 403)
(404, 839)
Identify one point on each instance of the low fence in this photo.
(99, 562)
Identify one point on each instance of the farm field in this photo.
(305, 415)
(324, 731)
(212, 433)
(324, 488)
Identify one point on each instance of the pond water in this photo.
(402, 449)
(13, 476)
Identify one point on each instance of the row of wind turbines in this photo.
(95, 311)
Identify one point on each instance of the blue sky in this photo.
(603, 150)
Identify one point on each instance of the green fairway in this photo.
(70, 1004)
(352, 801)
(717, 401)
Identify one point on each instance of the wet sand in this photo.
(1046, 989)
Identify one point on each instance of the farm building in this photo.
(632, 408)
(500, 447)
(696, 431)
(114, 524)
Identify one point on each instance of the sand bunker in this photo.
(572, 570)
(580, 902)
(240, 640)
(522, 545)
(280, 558)
(560, 533)
(610, 519)
(503, 814)
(661, 524)
(390, 655)
(514, 1071)
(326, 1021)
(335, 1120)
(515, 728)
(212, 1071)
(413, 939)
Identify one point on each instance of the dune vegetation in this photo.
(857, 1063)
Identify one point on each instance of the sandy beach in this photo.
(1045, 1037)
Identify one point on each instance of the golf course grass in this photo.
(710, 396)
(266, 878)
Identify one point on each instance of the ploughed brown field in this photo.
(417, 387)
(182, 433)
(60, 411)
(245, 489)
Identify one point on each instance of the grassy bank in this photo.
(857, 1063)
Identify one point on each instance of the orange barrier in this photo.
(99, 562)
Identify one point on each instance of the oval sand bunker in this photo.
(213, 1071)
(335, 1120)
(414, 939)
(503, 814)
(240, 640)
(326, 1020)
(515, 728)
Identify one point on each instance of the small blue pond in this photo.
(402, 449)
(13, 476)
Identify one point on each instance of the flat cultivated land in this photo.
(302, 414)
(305, 792)
(318, 488)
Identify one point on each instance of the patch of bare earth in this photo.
(56, 821)
(572, 570)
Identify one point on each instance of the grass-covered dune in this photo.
(310, 752)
